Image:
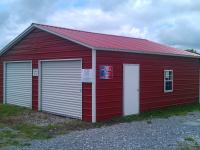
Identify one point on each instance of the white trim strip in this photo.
(94, 86)
(54, 60)
(4, 82)
(39, 85)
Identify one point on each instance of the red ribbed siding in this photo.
(39, 45)
(109, 93)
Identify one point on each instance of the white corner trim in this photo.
(39, 85)
(94, 86)
(4, 83)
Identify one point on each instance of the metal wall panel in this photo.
(109, 93)
(61, 87)
(18, 83)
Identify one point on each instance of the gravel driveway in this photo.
(157, 134)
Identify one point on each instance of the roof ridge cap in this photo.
(89, 31)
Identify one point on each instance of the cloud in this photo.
(96, 20)
(16, 15)
(36, 10)
(167, 21)
(108, 5)
(182, 32)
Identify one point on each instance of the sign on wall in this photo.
(35, 72)
(86, 75)
(106, 72)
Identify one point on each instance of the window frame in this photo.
(172, 80)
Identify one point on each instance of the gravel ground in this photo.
(157, 134)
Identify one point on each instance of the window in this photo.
(168, 80)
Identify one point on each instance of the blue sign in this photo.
(106, 72)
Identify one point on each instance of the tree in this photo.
(193, 51)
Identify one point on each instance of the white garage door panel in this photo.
(18, 83)
(61, 91)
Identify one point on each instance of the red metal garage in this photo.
(94, 76)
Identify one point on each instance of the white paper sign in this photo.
(86, 75)
(35, 72)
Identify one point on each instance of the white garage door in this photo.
(18, 83)
(61, 87)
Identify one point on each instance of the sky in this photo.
(172, 22)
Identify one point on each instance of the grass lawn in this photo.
(14, 131)
(160, 113)
(189, 143)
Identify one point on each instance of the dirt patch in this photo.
(35, 118)
(41, 118)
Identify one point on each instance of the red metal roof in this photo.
(114, 42)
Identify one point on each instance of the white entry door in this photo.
(131, 89)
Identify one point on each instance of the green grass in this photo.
(18, 132)
(11, 137)
(32, 131)
(190, 139)
(10, 110)
(160, 113)
(189, 143)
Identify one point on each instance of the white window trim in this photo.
(167, 91)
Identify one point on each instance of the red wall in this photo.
(109, 92)
(40, 45)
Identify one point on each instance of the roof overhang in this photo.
(35, 26)
(31, 28)
(17, 39)
(147, 53)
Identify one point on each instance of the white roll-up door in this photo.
(61, 87)
(18, 83)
